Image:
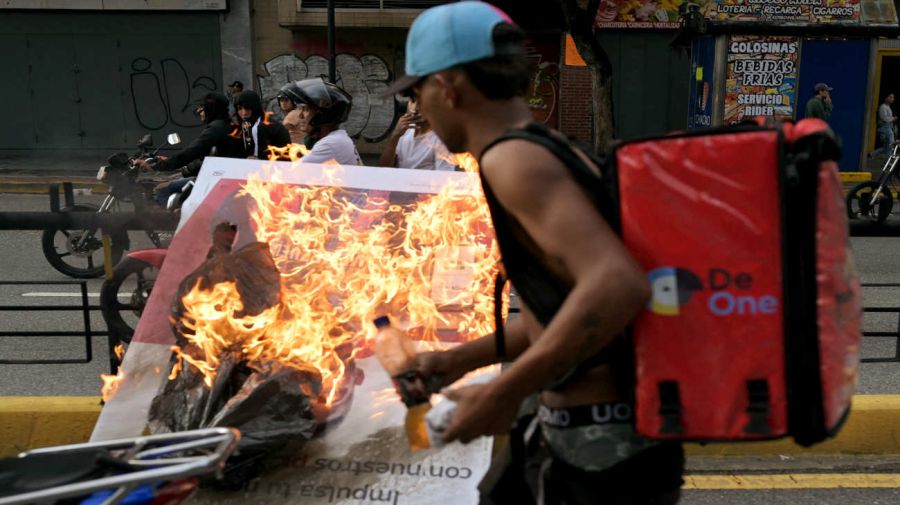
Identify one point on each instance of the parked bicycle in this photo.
(874, 200)
(79, 253)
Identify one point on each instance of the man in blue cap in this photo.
(578, 284)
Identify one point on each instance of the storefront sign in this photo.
(788, 12)
(665, 13)
(761, 79)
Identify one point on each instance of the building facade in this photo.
(89, 74)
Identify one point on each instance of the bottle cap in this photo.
(382, 321)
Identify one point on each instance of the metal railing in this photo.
(87, 333)
(884, 334)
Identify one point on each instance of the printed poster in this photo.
(361, 455)
(761, 78)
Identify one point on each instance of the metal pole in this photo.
(331, 69)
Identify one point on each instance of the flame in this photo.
(267, 117)
(345, 258)
(110, 385)
(465, 161)
(111, 382)
(291, 152)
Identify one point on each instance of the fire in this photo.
(110, 385)
(465, 161)
(291, 152)
(111, 382)
(346, 257)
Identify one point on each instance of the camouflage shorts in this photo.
(591, 437)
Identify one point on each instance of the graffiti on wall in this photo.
(363, 77)
(163, 96)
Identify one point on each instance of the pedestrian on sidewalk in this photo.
(413, 144)
(820, 106)
(886, 123)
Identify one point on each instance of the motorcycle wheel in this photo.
(122, 318)
(80, 261)
(860, 206)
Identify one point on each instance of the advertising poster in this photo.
(703, 52)
(761, 78)
(327, 248)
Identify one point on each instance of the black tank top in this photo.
(539, 287)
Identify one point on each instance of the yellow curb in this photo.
(794, 481)
(28, 422)
(855, 176)
(872, 428)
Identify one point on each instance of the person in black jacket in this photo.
(216, 139)
(258, 130)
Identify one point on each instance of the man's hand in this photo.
(148, 164)
(480, 411)
(443, 364)
(827, 100)
(407, 121)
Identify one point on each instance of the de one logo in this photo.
(674, 287)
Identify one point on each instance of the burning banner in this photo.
(261, 319)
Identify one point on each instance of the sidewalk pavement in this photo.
(33, 171)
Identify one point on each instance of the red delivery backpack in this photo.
(754, 326)
(753, 330)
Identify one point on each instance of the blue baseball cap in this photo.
(448, 35)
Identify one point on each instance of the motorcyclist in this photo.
(258, 130)
(292, 121)
(324, 106)
(214, 140)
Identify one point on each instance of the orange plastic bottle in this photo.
(393, 348)
(396, 352)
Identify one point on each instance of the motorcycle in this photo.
(140, 267)
(873, 200)
(79, 253)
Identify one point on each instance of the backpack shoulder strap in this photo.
(597, 186)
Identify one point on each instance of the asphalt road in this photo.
(22, 260)
(21, 256)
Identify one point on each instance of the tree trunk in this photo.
(580, 24)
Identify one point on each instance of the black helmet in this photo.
(215, 106)
(331, 102)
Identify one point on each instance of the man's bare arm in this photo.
(462, 359)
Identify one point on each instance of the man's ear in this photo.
(450, 81)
